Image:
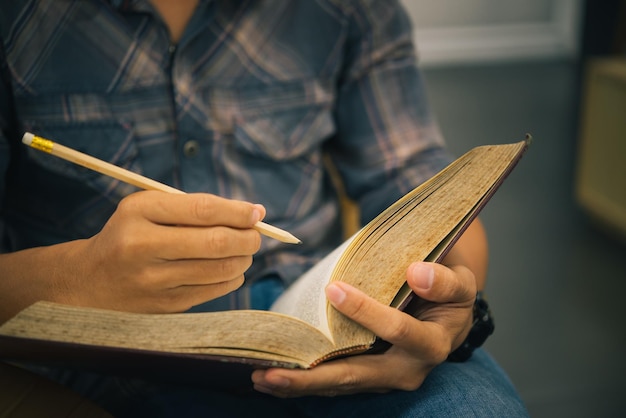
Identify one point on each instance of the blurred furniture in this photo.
(601, 168)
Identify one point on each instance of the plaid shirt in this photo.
(244, 107)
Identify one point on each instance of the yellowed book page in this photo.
(208, 333)
(378, 265)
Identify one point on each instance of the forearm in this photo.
(471, 251)
(41, 273)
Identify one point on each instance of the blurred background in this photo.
(495, 70)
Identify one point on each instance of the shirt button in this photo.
(191, 148)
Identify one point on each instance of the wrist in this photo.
(482, 327)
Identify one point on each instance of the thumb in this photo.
(441, 284)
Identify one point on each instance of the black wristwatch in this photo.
(481, 329)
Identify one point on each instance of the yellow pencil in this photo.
(135, 179)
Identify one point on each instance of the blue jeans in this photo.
(478, 387)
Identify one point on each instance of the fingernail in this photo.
(256, 214)
(422, 275)
(259, 212)
(335, 294)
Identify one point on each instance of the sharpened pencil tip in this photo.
(289, 239)
(276, 233)
(292, 239)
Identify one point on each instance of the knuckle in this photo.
(348, 383)
(455, 282)
(450, 283)
(128, 204)
(202, 207)
(218, 240)
(468, 281)
(233, 266)
(398, 329)
(227, 241)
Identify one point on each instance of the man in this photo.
(237, 99)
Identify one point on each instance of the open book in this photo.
(302, 329)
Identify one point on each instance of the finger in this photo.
(200, 209)
(365, 373)
(331, 379)
(398, 328)
(441, 284)
(173, 274)
(182, 298)
(178, 243)
(195, 295)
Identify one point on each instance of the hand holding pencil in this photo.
(158, 252)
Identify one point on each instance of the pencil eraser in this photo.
(28, 138)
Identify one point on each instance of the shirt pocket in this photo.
(101, 135)
(54, 200)
(279, 122)
(110, 141)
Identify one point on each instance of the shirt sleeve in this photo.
(388, 140)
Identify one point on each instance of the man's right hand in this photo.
(158, 252)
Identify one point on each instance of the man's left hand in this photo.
(418, 344)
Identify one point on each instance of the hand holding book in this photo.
(417, 344)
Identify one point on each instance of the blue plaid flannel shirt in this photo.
(244, 107)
